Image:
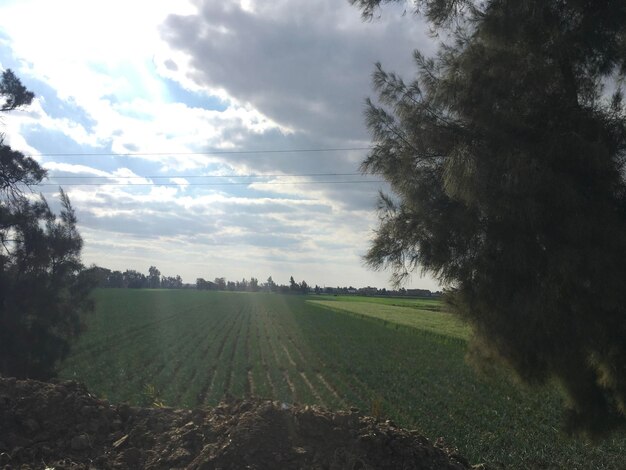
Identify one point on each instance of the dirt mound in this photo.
(62, 426)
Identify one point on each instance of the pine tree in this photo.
(505, 158)
(42, 291)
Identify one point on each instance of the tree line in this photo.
(132, 279)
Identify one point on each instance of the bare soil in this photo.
(63, 426)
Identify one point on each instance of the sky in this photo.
(210, 138)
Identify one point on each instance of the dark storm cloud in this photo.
(307, 68)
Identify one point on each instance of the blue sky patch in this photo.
(51, 103)
(177, 94)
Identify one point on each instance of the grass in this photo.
(438, 322)
(189, 348)
(418, 303)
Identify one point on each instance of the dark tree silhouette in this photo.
(13, 92)
(135, 280)
(506, 161)
(154, 277)
(220, 282)
(202, 284)
(42, 291)
(253, 285)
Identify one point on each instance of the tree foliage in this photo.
(506, 161)
(13, 92)
(42, 291)
(154, 277)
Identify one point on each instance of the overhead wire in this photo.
(207, 152)
(129, 178)
(230, 183)
(257, 175)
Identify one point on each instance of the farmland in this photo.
(419, 317)
(190, 348)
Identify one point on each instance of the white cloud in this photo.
(182, 182)
(274, 75)
(306, 67)
(70, 168)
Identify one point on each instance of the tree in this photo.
(253, 285)
(202, 284)
(116, 279)
(293, 285)
(270, 284)
(154, 277)
(173, 282)
(134, 279)
(506, 162)
(243, 285)
(43, 292)
(220, 282)
(16, 170)
(100, 276)
(15, 94)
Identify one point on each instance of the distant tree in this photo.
(304, 287)
(270, 284)
(43, 293)
(116, 279)
(293, 285)
(220, 282)
(506, 160)
(171, 282)
(318, 289)
(154, 278)
(253, 285)
(134, 279)
(230, 285)
(99, 276)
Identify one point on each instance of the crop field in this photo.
(191, 348)
(440, 323)
(416, 303)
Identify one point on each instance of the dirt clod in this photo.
(62, 426)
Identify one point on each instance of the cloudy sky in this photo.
(212, 137)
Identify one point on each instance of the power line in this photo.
(277, 175)
(214, 184)
(206, 153)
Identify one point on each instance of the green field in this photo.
(190, 348)
(432, 320)
(417, 303)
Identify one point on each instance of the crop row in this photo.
(192, 348)
(196, 351)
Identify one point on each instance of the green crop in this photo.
(191, 348)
